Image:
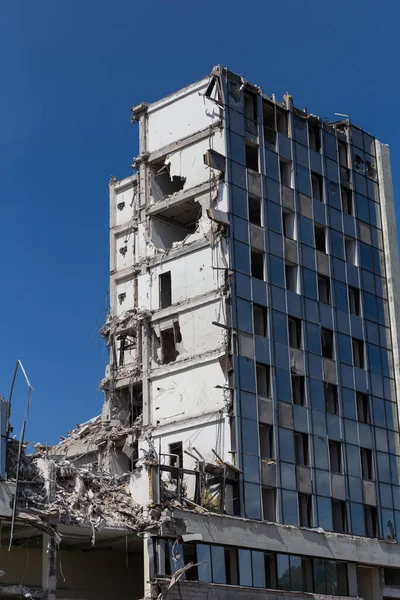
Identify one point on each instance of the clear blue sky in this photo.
(70, 73)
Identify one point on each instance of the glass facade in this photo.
(307, 251)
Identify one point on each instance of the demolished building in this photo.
(249, 440)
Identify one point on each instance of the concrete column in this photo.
(146, 356)
(148, 569)
(49, 567)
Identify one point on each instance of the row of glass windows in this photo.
(252, 568)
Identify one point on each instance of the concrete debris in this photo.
(85, 494)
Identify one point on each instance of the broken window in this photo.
(350, 250)
(305, 510)
(269, 504)
(269, 124)
(327, 342)
(320, 238)
(250, 106)
(366, 463)
(335, 457)
(176, 454)
(301, 448)
(354, 300)
(165, 289)
(263, 380)
(314, 138)
(324, 289)
(282, 122)
(289, 225)
(126, 350)
(339, 518)
(291, 277)
(371, 521)
(257, 264)
(298, 390)
(285, 169)
(358, 353)
(174, 223)
(317, 187)
(347, 202)
(331, 398)
(343, 154)
(260, 320)
(161, 182)
(251, 156)
(294, 326)
(362, 408)
(255, 210)
(266, 441)
(169, 338)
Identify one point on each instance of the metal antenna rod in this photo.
(21, 440)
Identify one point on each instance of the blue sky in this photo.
(70, 73)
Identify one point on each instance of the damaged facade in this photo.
(249, 440)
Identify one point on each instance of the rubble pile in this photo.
(52, 482)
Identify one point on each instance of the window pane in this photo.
(286, 445)
(331, 577)
(258, 569)
(303, 180)
(283, 571)
(319, 576)
(296, 573)
(324, 513)
(245, 567)
(218, 564)
(289, 502)
(203, 556)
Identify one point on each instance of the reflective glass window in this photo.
(317, 394)
(321, 453)
(242, 257)
(345, 352)
(296, 573)
(289, 503)
(357, 519)
(204, 557)
(383, 467)
(277, 274)
(244, 557)
(283, 388)
(274, 217)
(319, 576)
(252, 504)
(307, 231)
(324, 513)
(300, 130)
(286, 445)
(370, 307)
(283, 571)
(245, 315)
(362, 208)
(388, 523)
(247, 375)
(218, 564)
(313, 338)
(341, 302)
(280, 327)
(249, 436)
(258, 564)
(337, 246)
(310, 284)
(272, 164)
(330, 147)
(303, 180)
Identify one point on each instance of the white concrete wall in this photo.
(123, 193)
(179, 115)
(122, 287)
(124, 250)
(192, 275)
(187, 394)
(188, 162)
